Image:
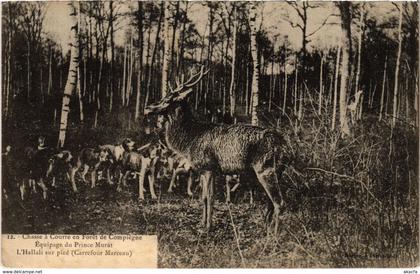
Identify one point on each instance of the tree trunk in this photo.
(321, 87)
(41, 84)
(79, 72)
(200, 90)
(232, 93)
(49, 74)
(174, 27)
(255, 64)
(140, 58)
(72, 75)
(397, 69)
(112, 78)
(295, 96)
(272, 81)
(247, 88)
(9, 72)
(166, 50)
(337, 66)
(124, 75)
(28, 60)
(381, 107)
(359, 50)
(285, 80)
(98, 86)
(129, 90)
(209, 53)
(181, 39)
(345, 66)
(155, 48)
(416, 100)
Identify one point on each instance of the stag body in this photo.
(214, 149)
(226, 149)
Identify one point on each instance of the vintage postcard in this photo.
(210, 134)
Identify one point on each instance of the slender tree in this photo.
(285, 80)
(397, 68)
(255, 64)
(381, 107)
(345, 65)
(166, 49)
(79, 72)
(140, 57)
(72, 74)
(232, 94)
(335, 97)
(321, 87)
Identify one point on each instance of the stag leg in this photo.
(207, 197)
(227, 182)
(268, 178)
(204, 194)
(190, 182)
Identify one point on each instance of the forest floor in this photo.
(307, 237)
(357, 204)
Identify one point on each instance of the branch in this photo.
(294, 25)
(320, 27)
(345, 177)
(396, 5)
(294, 5)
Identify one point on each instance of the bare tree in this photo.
(72, 74)
(397, 67)
(359, 46)
(31, 23)
(383, 90)
(302, 8)
(321, 87)
(345, 65)
(255, 63)
(153, 57)
(140, 57)
(79, 72)
(166, 49)
(232, 94)
(335, 97)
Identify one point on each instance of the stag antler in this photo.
(178, 94)
(183, 86)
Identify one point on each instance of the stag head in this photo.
(177, 95)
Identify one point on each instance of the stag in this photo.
(214, 149)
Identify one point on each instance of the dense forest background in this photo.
(122, 53)
(338, 79)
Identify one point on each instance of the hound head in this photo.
(105, 155)
(175, 96)
(58, 160)
(128, 144)
(41, 142)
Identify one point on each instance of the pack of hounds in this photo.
(43, 168)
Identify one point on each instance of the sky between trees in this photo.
(275, 17)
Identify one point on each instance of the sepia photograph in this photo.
(210, 134)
